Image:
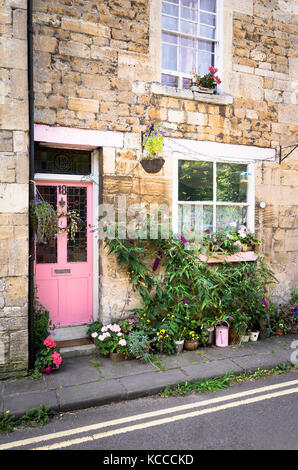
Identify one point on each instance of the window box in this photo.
(234, 258)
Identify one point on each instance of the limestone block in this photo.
(7, 169)
(79, 26)
(74, 49)
(19, 346)
(14, 115)
(45, 44)
(108, 160)
(16, 291)
(247, 86)
(81, 104)
(13, 198)
(20, 24)
(13, 53)
(20, 141)
(6, 141)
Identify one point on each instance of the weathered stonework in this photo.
(97, 66)
(14, 177)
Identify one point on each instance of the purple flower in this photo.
(185, 300)
(48, 370)
(164, 281)
(264, 303)
(157, 261)
(183, 240)
(230, 318)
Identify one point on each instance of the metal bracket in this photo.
(289, 153)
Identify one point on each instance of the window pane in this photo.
(227, 214)
(186, 83)
(47, 252)
(207, 32)
(208, 5)
(194, 219)
(169, 80)
(187, 60)
(206, 46)
(169, 57)
(170, 9)
(190, 3)
(189, 14)
(170, 38)
(188, 28)
(205, 60)
(207, 19)
(195, 181)
(231, 182)
(72, 162)
(169, 23)
(77, 201)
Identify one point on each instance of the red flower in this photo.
(207, 231)
(49, 342)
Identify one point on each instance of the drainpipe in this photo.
(31, 181)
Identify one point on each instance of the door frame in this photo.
(94, 179)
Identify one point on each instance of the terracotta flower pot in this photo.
(190, 344)
(117, 357)
(278, 333)
(152, 165)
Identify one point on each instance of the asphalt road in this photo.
(259, 415)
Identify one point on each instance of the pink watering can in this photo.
(222, 336)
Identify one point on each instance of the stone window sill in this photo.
(162, 90)
(235, 258)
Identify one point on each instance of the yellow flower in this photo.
(141, 318)
(168, 315)
(8, 411)
(173, 316)
(148, 321)
(162, 331)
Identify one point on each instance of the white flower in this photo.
(94, 335)
(238, 243)
(104, 328)
(101, 337)
(119, 334)
(229, 236)
(122, 342)
(242, 234)
(233, 224)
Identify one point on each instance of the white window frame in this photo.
(250, 204)
(217, 41)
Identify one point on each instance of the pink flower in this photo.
(48, 370)
(49, 342)
(57, 359)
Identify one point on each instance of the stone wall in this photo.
(97, 66)
(14, 169)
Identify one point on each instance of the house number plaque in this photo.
(61, 271)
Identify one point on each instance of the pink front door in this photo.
(63, 269)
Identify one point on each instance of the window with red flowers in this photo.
(189, 40)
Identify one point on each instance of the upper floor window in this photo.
(189, 39)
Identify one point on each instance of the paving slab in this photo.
(74, 371)
(150, 383)
(212, 369)
(262, 361)
(92, 394)
(113, 370)
(24, 385)
(19, 404)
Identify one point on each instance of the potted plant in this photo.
(206, 83)
(179, 340)
(94, 331)
(191, 341)
(139, 345)
(152, 160)
(48, 357)
(208, 327)
(112, 342)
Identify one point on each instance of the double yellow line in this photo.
(152, 414)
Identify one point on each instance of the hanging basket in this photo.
(152, 165)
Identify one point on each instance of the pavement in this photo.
(92, 380)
